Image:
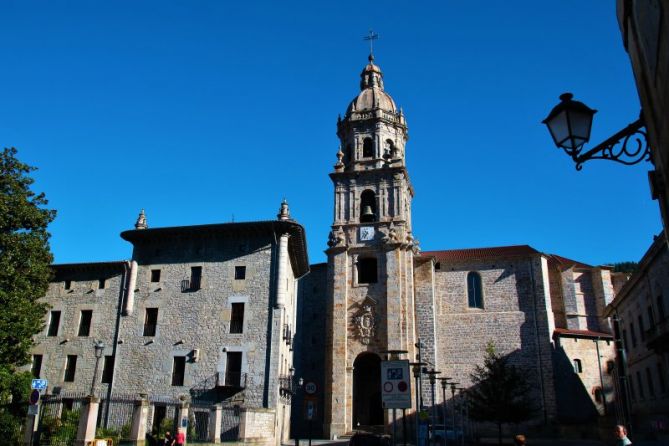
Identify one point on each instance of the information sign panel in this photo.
(39, 384)
(395, 384)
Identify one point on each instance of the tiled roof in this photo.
(568, 263)
(584, 333)
(481, 253)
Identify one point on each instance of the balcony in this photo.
(286, 387)
(657, 337)
(194, 284)
(287, 334)
(231, 379)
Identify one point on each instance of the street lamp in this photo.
(569, 124)
(99, 347)
(444, 385)
(433, 379)
(416, 374)
(453, 384)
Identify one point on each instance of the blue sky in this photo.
(205, 111)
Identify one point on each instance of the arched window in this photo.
(389, 148)
(367, 148)
(367, 271)
(368, 206)
(474, 291)
(578, 367)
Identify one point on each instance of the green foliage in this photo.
(24, 259)
(14, 391)
(500, 392)
(625, 267)
(24, 278)
(60, 430)
(166, 425)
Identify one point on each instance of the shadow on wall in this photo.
(574, 402)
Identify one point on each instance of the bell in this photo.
(367, 214)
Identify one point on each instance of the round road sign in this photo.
(34, 396)
(310, 388)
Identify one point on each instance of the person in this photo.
(621, 435)
(169, 441)
(519, 440)
(180, 438)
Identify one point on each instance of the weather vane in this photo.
(372, 36)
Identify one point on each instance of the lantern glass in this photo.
(569, 123)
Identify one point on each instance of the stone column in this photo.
(140, 416)
(129, 306)
(88, 421)
(182, 416)
(30, 428)
(215, 419)
(282, 272)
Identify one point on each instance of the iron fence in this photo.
(198, 422)
(115, 417)
(230, 424)
(59, 419)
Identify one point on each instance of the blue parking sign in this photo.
(39, 384)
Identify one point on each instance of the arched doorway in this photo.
(367, 410)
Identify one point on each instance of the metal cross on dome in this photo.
(372, 36)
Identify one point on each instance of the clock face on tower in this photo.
(366, 233)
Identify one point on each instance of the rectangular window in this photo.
(85, 322)
(642, 333)
(367, 270)
(661, 378)
(240, 272)
(651, 386)
(70, 368)
(651, 319)
(630, 382)
(150, 322)
(36, 366)
(54, 322)
(633, 334)
(625, 343)
(195, 277)
(178, 370)
(660, 308)
(640, 385)
(237, 318)
(68, 284)
(578, 367)
(102, 283)
(108, 370)
(155, 275)
(233, 369)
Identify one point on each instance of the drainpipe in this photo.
(601, 377)
(122, 294)
(538, 342)
(130, 298)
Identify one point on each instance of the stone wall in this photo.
(84, 294)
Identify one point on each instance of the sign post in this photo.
(395, 387)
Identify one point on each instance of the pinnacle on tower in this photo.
(284, 212)
(141, 221)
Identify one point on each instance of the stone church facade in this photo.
(234, 312)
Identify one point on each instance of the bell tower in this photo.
(370, 256)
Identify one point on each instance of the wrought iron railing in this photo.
(231, 379)
(192, 284)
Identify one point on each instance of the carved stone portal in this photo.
(365, 323)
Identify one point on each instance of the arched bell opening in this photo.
(368, 206)
(367, 408)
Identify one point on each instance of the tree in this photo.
(24, 277)
(500, 392)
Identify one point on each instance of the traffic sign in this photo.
(396, 384)
(310, 388)
(34, 396)
(39, 384)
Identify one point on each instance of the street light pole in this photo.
(444, 384)
(99, 347)
(453, 384)
(433, 378)
(416, 374)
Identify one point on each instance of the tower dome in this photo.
(372, 96)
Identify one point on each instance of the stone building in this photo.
(205, 312)
(640, 313)
(210, 311)
(380, 293)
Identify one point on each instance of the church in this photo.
(233, 315)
